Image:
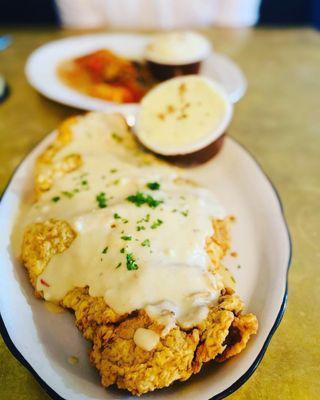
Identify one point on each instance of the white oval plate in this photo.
(42, 65)
(43, 341)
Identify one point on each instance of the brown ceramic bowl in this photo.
(163, 72)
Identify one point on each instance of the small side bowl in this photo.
(152, 124)
(174, 54)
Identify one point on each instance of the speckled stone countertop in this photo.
(279, 122)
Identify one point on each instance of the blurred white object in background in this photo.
(157, 14)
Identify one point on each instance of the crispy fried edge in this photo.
(47, 170)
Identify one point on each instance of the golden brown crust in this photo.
(41, 242)
(177, 356)
(218, 244)
(48, 169)
(213, 336)
(90, 312)
(241, 329)
(121, 362)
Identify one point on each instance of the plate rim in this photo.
(248, 373)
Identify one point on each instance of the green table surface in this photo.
(278, 120)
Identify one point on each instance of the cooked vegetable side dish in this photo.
(134, 249)
(104, 75)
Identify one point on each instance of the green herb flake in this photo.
(126, 237)
(131, 262)
(101, 200)
(116, 137)
(156, 224)
(116, 216)
(185, 213)
(113, 170)
(67, 194)
(125, 220)
(116, 182)
(119, 265)
(153, 185)
(122, 250)
(145, 219)
(105, 250)
(55, 199)
(146, 243)
(84, 182)
(140, 228)
(140, 198)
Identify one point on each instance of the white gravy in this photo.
(148, 257)
(146, 339)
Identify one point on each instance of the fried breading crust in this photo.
(41, 242)
(178, 355)
(121, 362)
(47, 168)
(90, 312)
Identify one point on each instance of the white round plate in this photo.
(43, 341)
(42, 65)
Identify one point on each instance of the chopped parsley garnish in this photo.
(153, 185)
(55, 199)
(140, 228)
(140, 198)
(156, 224)
(113, 170)
(122, 250)
(126, 237)
(146, 243)
(116, 216)
(104, 251)
(76, 190)
(125, 220)
(131, 262)
(69, 195)
(185, 213)
(116, 137)
(101, 200)
(116, 182)
(84, 182)
(145, 219)
(119, 265)
(174, 210)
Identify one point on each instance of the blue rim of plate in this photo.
(239, 382)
